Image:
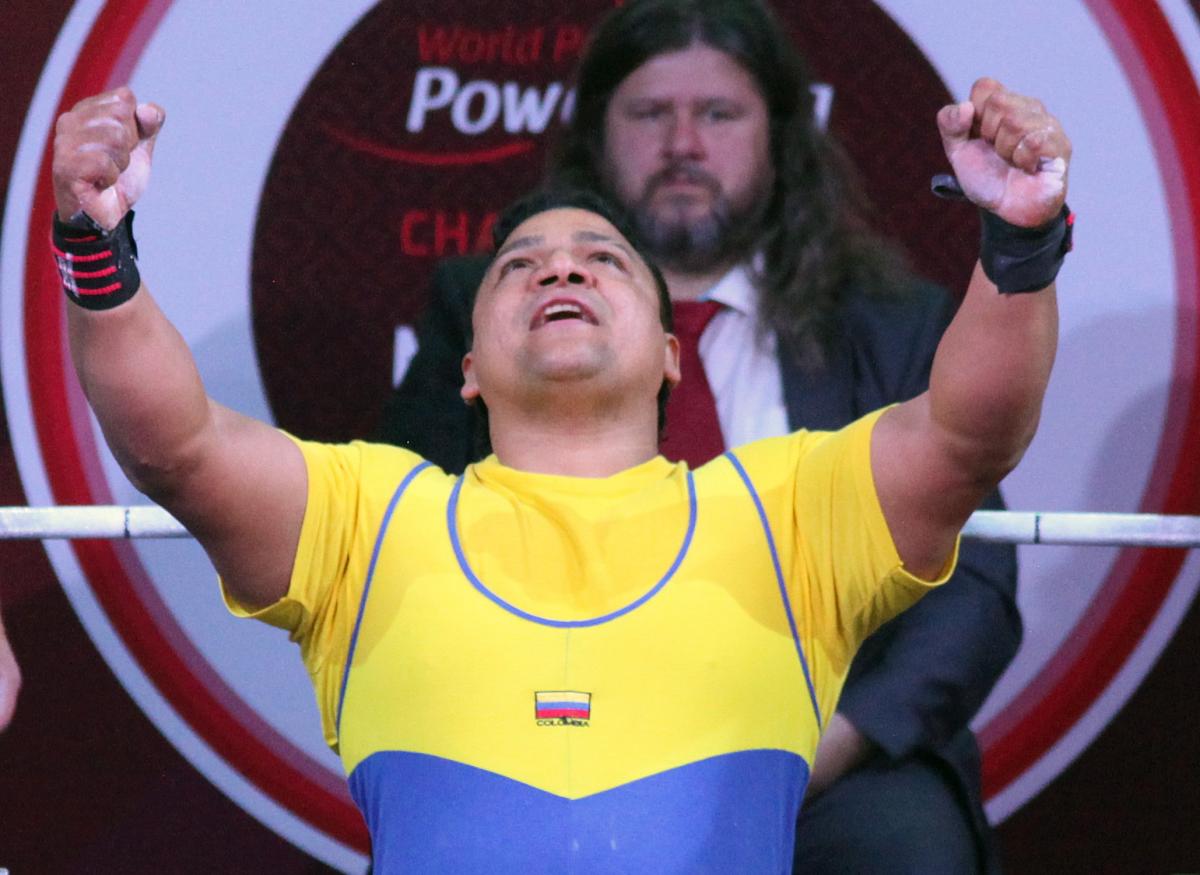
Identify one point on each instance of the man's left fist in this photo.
(1010, 155)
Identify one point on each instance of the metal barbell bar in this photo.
(1014, 527)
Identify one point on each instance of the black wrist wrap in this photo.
(98, 268)
(1024, 259)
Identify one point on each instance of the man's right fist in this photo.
(102, 150)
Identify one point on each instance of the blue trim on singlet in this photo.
(787, 603)
(452, 526)
(730, 813)
(362, 605)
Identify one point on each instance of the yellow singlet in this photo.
(528, 673)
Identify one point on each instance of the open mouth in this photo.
(562, 310)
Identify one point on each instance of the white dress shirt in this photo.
(742, 367)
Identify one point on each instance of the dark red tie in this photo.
(693, 432)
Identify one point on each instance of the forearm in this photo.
(841, 749)
(141, 380)
(989, 377)
(239, 486)
(937, 456)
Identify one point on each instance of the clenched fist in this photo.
(102, 150)
(1010, 155)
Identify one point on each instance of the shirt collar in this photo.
(735, 290)
(493, 472)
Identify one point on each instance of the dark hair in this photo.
(574, 198)
(815, 241)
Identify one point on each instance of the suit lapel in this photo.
(822, 399)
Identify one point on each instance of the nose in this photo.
(682, 137)
(562, 269)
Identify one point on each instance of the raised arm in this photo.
(237, 484)
(935, 457)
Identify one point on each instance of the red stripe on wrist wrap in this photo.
(109, 275)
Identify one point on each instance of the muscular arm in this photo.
(237, 484)
(917, 681)
(935, 457)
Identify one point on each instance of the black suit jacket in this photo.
(915, 683)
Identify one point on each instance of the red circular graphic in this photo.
(1105, 636)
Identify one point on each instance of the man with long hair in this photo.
(697, 116)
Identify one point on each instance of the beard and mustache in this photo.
(679, 239)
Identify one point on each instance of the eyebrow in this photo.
(519, 243)
(579, 236)
(597, 237)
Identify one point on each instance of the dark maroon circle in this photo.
(333, 271)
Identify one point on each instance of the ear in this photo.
(671, 371)
(470, 387)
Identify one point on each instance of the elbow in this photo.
(989, 446)
(987, 459)
(990, 467)
(1007, 457)
(160, 477)
(162, 463)
(1014, 451)
(152, 479)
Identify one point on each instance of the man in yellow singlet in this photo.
(577, 656)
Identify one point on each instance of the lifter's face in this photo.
(567, 300)
(687, 147)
